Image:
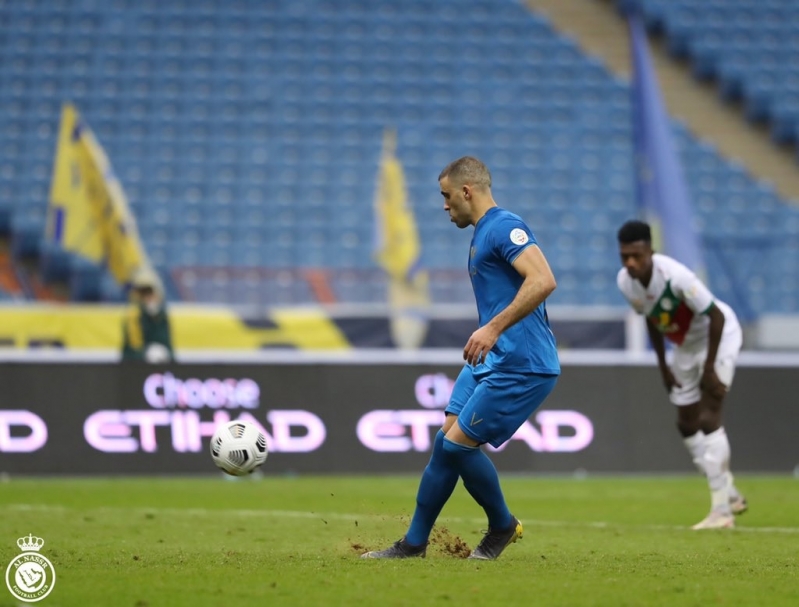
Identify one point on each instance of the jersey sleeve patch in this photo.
(509, 236)
(519, 236)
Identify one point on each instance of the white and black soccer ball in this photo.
(238, 447)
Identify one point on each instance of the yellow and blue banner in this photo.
(398, 251)
(88, 213)
(661, 188)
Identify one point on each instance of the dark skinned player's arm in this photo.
(658, 343)
(715, 330)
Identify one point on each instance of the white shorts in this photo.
(688, 365)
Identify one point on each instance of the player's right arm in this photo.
(659, 346)
(538, 283)
(655, 336)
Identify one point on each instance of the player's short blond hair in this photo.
(467, 171)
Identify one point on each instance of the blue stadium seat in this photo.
(250, 139)
(54, 262)
(85, 280)
(746, 45)
(26, 237)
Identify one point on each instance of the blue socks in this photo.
(481, 481)
(448, 461)
(437, 484)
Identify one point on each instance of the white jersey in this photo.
(676, 301)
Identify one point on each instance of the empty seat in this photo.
(251, 139)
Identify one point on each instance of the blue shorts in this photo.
(492, 405)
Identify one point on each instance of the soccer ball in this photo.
(238, 447)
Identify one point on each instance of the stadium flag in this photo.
(661, 188)
(88, 213)
(398, 251)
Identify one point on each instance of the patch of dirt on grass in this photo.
(448, 543)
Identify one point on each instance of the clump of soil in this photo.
(448, 543)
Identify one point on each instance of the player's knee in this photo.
(456, 451)
(438, 442)
(458, 436)
(449, 421)
(712, 406)
(711, 422)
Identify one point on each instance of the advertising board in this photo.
(366, 418)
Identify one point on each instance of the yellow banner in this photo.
(398, 252)
(397, 247)
(88, 212)
(94, 327)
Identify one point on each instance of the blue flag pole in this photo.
(661, 189)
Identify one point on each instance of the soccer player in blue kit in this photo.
(511, 363)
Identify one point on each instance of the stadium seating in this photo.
(247, 137)
(750, 46)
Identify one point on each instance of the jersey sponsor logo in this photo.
(518, 236)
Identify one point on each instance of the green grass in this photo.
(610, 541)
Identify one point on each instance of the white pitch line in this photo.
(347, 516)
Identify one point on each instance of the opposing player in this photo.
(511, 363)
(707, 336)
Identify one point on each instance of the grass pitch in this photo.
(296, 541)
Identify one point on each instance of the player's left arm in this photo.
(710, 382)
(537, 285)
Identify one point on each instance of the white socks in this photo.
(696, 447)
(711, 455)
(717, 461)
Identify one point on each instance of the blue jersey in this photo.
(528, 346)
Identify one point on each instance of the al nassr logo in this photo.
(30, 576)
